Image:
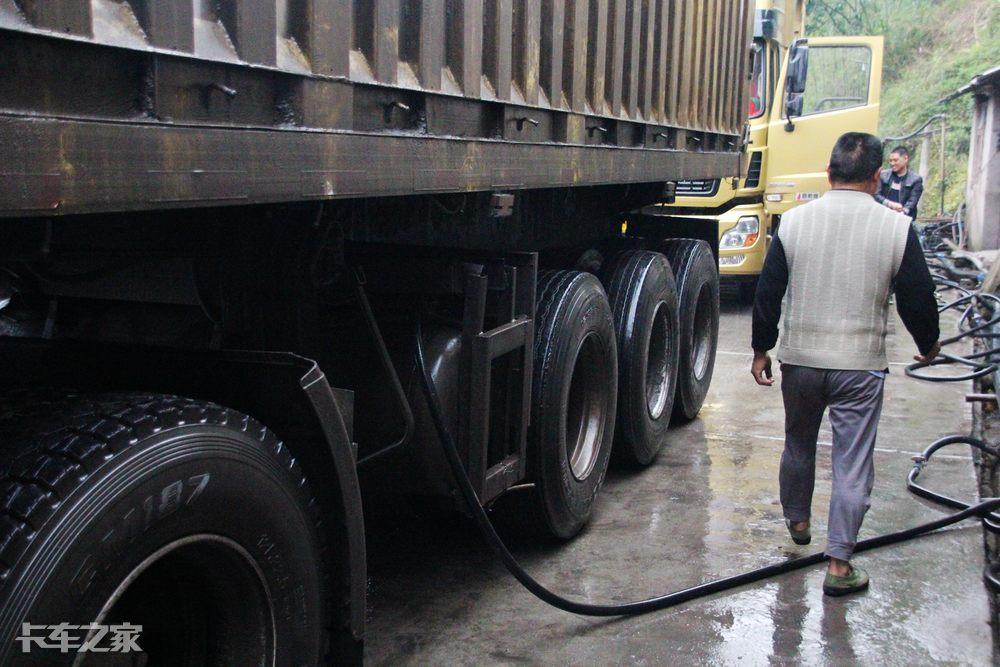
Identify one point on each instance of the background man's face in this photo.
(898, 162)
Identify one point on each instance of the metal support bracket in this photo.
(495, 428)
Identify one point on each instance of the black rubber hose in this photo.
(656, 603)
(992, 577)
(945, 358)
(948, 284)
(979, 327)
(991, 521)
(981, 369)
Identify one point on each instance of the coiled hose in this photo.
(984, 509)
(978, 319)
(979, 315)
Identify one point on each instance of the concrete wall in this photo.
(986, 426)
(982, 194)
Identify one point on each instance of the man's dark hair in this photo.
(900, 150)
(855, 157)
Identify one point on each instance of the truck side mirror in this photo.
(795, 81)
(793, 105)
(798, 67)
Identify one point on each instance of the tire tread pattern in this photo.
(556, 290)
(53, 441)
(623, 273)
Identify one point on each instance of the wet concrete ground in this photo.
(708, 507)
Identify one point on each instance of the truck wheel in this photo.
(180, 516)
(697, 279)
(574, 392)
(643, 298)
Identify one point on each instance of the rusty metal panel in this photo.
(129, 166)
(675, 61)
(612, 74)
(615, 69)
(647, 57)
(527, 48)
(696, 72)
(167, 24)
(653, 60)
(552, 34)
(733, 116)
(253, 26)
(575, 56)
(498, 24)
(709, 86)
(431, 44)
(633, 53)
(463, 51)
(597, 50)
(724, 65)
(322, 30)
(385, 23)
(527, 124)
(743, 67)
(661, 51)
(69, 16)
(734, 57)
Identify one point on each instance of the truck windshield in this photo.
(758, 80)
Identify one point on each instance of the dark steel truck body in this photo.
(179, 178)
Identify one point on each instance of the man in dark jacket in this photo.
(900, 188)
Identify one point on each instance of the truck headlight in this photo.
(743, 235)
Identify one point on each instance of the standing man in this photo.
(899, 188)
(834, 261)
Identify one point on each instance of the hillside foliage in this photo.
(932, 48)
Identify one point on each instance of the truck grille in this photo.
(705, 187)
(753, 171)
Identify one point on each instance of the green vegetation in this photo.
(932, 49)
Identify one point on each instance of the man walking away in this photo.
(899, 188)
(834, 261)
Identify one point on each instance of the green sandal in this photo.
(856, 580)
(800, 537)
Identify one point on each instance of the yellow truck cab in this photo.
(830, 85)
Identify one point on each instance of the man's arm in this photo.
(915, 296)
(771, 288)
(915, 193)
(880, 195)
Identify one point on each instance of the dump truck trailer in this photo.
(225, 227)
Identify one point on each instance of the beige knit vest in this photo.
(843, 251)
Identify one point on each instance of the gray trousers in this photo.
(855, 402)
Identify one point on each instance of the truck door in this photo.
(831, 86)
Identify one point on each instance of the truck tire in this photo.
(697, 276)
(187, 518)
(574, 392)
(643, 298)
